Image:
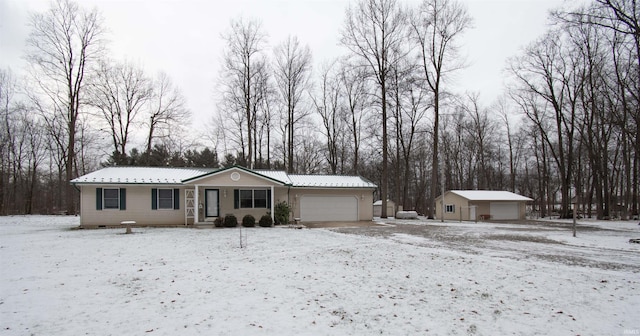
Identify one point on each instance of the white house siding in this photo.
(138, 207)
(460, 204)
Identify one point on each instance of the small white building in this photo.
(377, 208)
(482, 205)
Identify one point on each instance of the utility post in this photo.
(575, 214)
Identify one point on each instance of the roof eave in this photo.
(246, 170)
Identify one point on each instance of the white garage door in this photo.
(328, 208)
(504, 210)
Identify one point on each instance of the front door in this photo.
(212, 205)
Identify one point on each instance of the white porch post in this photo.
(273, 196)
(196, 206)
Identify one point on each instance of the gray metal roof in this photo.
(330, 181)
(140, 175)
(167, 175)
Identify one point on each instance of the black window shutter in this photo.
(154, 199)
(176, 199)
(98, 198)
(236, 198)
(123, 199)
(268, 198)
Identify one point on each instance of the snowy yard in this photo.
(405, 278)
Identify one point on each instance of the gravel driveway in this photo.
(535, 240)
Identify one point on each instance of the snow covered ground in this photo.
(404, 278)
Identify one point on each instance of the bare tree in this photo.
(551, 73)
(373, 30)
(409, 125)
(328, 106)
(621, 19)
(480, 130)
(8, 89)
(120, 92)
(265, 118)
(243, 63)
(166, 109)
(292, 72)
(63, 43)
(512, 140)
(354, 82)
(436, 27)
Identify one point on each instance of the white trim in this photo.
(273, 197)
(196, 218)
(446, 208)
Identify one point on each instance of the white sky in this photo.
(182, 38)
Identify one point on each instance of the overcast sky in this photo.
(182, 38)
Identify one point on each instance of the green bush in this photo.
(281, 213)
(218, 222)
(248, 221)
(230, 221)
(266, 221)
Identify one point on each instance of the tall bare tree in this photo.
(373, 30)
(328, 106)
(353, 80)
(166, 109)
(243, 63)
(621, 19)
(292, 71)
(548, 71)
(120, 92)
(8, 90)
(64, 42)
(436, 27)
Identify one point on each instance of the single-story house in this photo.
(377, 208)
(183, 196)
(482, 204)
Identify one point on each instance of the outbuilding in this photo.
(377, 208)
(482, 205)
(157, 196)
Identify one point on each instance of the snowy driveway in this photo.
(598, 244)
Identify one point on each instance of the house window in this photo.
(165, 199)
(259, 198)
(111, 198)
(450, 208)
(246, 198)
(250, 198)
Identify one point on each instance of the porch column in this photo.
(273, 196)
(197, 207)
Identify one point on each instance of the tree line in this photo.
(564, 131)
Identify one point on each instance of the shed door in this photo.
(328, 208)
(504, 210)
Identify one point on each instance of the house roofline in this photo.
(246, 170)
